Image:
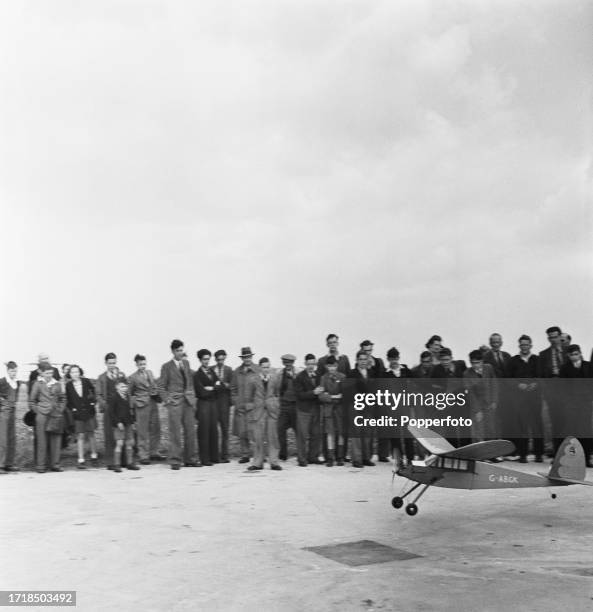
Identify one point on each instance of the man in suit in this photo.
(578, 399)
(239, 384)
(288, 416)
(360, 437)
(176, 389)
(307, 390)
(206, 385)
(142, 391)
(224, 374)
(447, 376)
(481, 383)
(549, 364)
(47, 400)
(263, 408)
(105, 391)
(333, 342)
(9, 392)
(425, 367)
(527, 401)
(400, 444)
(496, 357)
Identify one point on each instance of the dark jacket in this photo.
(203, 380)
(306, 400)
(405, 372)
(343, 364)
(121, 411)
(35, 375)
(501, 370)
(83, 408)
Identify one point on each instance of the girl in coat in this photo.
(80, 400)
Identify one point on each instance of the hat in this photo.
(43, 357)
(366, 342)
(246, 352)
(288, 357)
(44, 367)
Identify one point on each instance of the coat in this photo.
(105, 388)
(47, 400)
(306, 400)
(82, 407)
(239, 385)
(262, 399)
(142, 389)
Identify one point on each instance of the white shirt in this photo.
(13, 382)
(78, 386)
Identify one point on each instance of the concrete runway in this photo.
(219, 538)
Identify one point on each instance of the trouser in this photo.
(265, 429)
(181, 416)
(404, 444)
(223, 412)
(242, 430)
(308, 435)
(528, 411)
(360, 446)
(287, 419)
(207, 431)
(47, 441)
(108, 439)
(148, 430)
(7, 437)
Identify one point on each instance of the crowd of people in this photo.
(259, 405)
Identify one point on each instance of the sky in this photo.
(261, 173)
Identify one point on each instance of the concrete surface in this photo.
(219, 538)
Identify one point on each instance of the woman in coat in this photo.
(80, 400)
(206, 385)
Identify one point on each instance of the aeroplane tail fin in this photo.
(569, 462)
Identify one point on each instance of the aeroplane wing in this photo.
(566, 480)
(437, 445)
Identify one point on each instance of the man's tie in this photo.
(182, 370)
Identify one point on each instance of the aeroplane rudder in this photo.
(569, 461)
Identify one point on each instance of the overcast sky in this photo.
(264, 172)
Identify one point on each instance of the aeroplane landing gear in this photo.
(411, 509)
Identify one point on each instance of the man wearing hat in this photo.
(43, 358)
(242, 378)
(287, 418)
(223, 402)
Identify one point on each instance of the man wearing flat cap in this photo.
(287, 418)
(242, 378)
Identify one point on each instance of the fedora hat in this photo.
(246, 352)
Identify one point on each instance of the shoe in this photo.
(253, 468)
(302, 464)
(144, 461)
(133, 466)
(117, 469)
(383, 459)
(315, 462)
(276, 467)
(157, 457)
(175, 466)
(497, 459)
(368, 462)
(110, 467)
(522, 459)
(57, 469)
(356, 464)
(282, 457)
(512, 457)
(244, 460)
(81, 465)
(95, 459)
(191, 464)
(224, 461)
(12, 468)
(340, 462)
(329, 463)
(41, 470)
(539, 459)
(207, 463)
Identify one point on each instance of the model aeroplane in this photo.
(466, 467)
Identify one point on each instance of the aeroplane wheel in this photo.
(412, 509)
(397, 502)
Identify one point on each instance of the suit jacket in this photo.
(500, 371)
(262, 400)
(121, 411)
(378, 368)
(171, 386)
(47, 400)
(405, 372)
(452, 386)
(141, 389)
(105, 388)
(546, 364)
(577, 395)
(82, 407)
(226, 378)
(343, 364)
(306, 400)
(201, 381)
